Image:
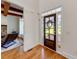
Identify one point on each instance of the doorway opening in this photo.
(52, 28)
(12, 26)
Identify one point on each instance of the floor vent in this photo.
(29, 50)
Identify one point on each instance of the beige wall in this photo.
(69, 39)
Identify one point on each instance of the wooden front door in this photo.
(50, 31)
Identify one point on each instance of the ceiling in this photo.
(11, 9)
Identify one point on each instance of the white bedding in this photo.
(18, 43)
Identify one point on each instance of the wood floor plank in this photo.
(38, 52)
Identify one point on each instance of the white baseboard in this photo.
(69, 56)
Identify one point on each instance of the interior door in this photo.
(50, 31)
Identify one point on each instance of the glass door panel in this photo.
(51, 37)
(47, 36)
(52, 31)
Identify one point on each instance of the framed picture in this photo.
(3, 30)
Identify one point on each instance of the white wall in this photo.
(31, 30)
(12, 23)
(31, 18)
(3, 20)
(29, 5)
(31, 22)
(69, 39)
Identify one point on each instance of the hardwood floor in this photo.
(38, 52)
